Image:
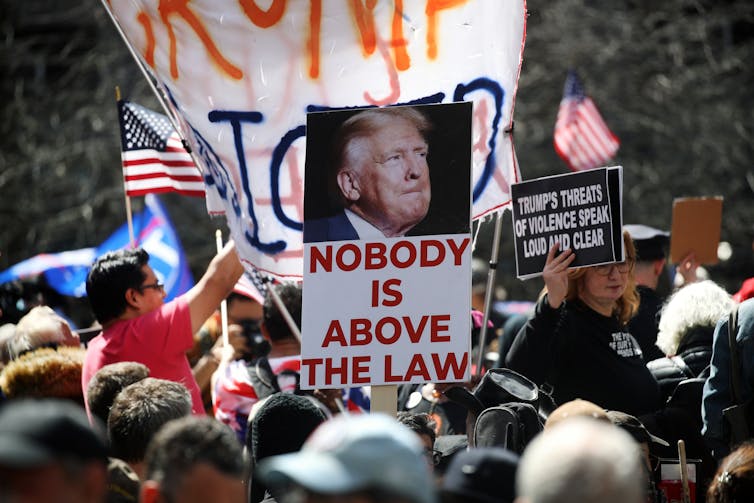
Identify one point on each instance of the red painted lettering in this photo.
(394, 295)
(409, 246)
(389, 376)
(360, 369)
(316, 257)
(426, 261)
(457, 249)
(380, 336)
(356, 259)
(311, 365)
(436, 328)
(442, 369)
(332, 370)
(417, 368)
(374, 256)
(334, 334)
(360, 331)
(415, 333)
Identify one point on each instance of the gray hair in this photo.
(584, 461)
(699, 304)
(39, 328)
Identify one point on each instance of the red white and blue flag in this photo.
(154, 158)
(582, 139)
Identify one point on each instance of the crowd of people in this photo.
(605, 391)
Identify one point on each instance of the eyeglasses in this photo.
(157, 286)
(622, 267)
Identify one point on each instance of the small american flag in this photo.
(253, 285)
(154, 158)
(582, 139)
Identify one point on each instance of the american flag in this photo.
(154, 158)
(253, 285)
(582, 139)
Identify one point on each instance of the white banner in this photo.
(242, 75)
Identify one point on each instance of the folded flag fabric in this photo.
(582, 139)
(154, 157)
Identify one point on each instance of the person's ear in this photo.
(658, 265)
(132, 298)
(349, 185)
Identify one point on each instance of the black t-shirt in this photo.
(583, 354)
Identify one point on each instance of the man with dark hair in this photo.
(194, 459)
(424, 426)
(240, 383)
(137, 414)
(137, 325)
(107, 382)
(379, 174)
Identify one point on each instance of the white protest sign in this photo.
(581, 211)
(386, 312)
(243, 74)
(386, 296)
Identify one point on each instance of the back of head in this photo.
(698, 305)
(734, 480)
(481, 475)
(45, 373)
(273, 319)
(41, 327)
(139, 411)
(420, 423)
(184, 443)
(581, 460)
(371, 454)
(108, 381)
(650, 243)
(575, 409)
(110, 277)
(35, 433)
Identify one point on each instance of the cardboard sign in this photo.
(581, 211)
(381, 308)
(696, 228)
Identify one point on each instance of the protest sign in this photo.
(241, 78)
(382, 306)
(696, 228)
(581, 211)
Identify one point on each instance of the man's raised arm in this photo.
(216, 284)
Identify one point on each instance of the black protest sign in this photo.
(581, 211)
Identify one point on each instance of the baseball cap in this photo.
(39, 432)
(355, 453)
(634, 427)
(482, 474)
(650, 243)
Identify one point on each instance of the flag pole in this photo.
(158, 94)
(490, 286)
(129, 213)
(224, 303)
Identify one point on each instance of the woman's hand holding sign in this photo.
(555, 274)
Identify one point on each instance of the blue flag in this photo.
(66, 272)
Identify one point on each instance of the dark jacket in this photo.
(584, 355)
(333, 228)
(695, 354)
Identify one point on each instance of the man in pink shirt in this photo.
(137, 325)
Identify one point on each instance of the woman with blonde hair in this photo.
(577, 341)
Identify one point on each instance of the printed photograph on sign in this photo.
(387, 172)
(387, 253)
(581, 211)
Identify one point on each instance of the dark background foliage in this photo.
(673, 80)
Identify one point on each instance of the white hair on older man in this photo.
(582, 460)
(40, 327)
(699, 304)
